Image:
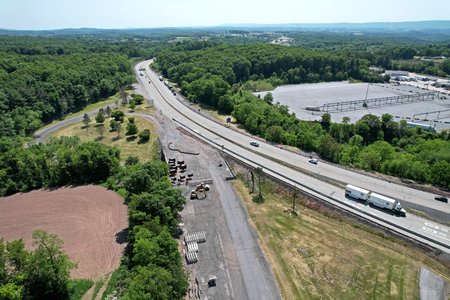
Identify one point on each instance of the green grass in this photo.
(145, 152)
(79, 287)
(259, 85)
(115, 283)
(98, 286)
(321, 254)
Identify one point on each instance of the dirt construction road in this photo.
(89, 219)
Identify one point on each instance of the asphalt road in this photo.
(237, 142)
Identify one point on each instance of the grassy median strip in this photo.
(320, 254)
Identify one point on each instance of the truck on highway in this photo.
(386, 203)
(374, 199)
(357, 192)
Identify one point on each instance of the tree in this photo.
(268, 98)
(369, 127)
(260, 178)
(86, 119)
(144, 136)
(138, 99)
(99, 118)
(49, 268)
(326, 121)
(118, 128)
(329, 148)
(123, 96)
(132, 105)
(108, 111)
(114, 125)
(274, 134)
(131, 129)
(440, 173)
(100, 129)
(131, 160)
(118, 115)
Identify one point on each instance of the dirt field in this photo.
(90, 219)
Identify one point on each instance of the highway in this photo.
(297, 171)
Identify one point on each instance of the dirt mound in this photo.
(91, 220)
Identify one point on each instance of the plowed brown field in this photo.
(91, 221)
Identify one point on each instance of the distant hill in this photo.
(436, 27)
(373, 26)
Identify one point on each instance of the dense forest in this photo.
(217, 75)
(43, 79)
(46, 78)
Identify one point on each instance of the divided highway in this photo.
(297, 171)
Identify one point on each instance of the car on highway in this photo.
(254, 143)
(441, 198)
(314, 161)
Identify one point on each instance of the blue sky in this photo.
(53, 14)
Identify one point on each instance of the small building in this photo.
(394, 73)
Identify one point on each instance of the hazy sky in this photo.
(53, 14)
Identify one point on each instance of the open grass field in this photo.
(318, 255)
(145, 152)
(89, 219)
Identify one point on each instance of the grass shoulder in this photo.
(321, 254)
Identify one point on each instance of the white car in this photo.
(314, 161)
(254, 143)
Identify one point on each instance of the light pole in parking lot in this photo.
(367, 91)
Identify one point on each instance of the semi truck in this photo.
(386, 203)
(357, 192)
(375, 199)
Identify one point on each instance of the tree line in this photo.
(151, 267)
(43, 79)
(206, 71)
(215, 76)
(60, 162)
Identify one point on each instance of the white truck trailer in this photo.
(357, 192)
(374, 199)
(386, 203)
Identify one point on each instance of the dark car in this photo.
(441, 198)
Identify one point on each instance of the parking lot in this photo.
(298, 97)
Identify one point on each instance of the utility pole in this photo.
(294, 198)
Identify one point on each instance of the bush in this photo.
(144, 136)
